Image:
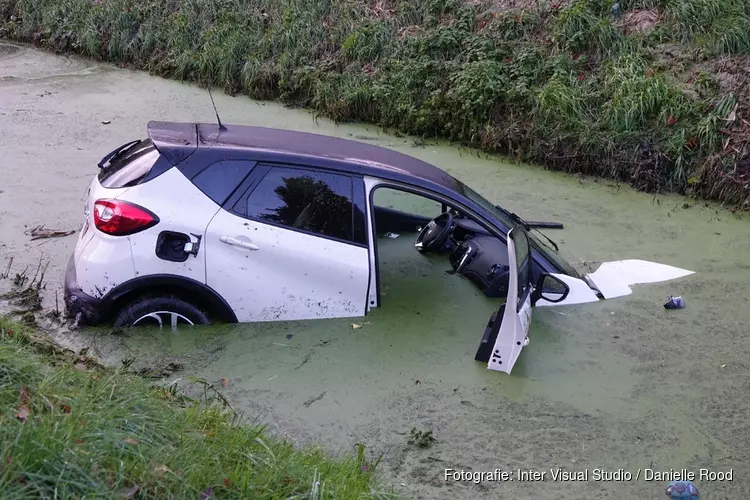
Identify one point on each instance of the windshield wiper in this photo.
(529, 225)
(117, 152)
(544, 225)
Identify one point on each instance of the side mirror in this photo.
(549, 288)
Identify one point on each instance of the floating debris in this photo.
(682, 490)
(157, 372)
(27, 299)
(312, 400)
(674, 303)
(304, 360)
(28, 318)
(6, 273)
(40, 232)
(285, 345)
(423, 439)
(20, 279)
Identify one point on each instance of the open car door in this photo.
(508, 329)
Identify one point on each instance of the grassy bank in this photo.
(70, 428)
(656, 96)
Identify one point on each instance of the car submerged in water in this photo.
(204, 223)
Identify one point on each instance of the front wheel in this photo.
(160, 311)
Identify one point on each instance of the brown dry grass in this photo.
(640, 20)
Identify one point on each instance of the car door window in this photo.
(359, 229)
(220, 179)
(306, 200)
(397, 211)
(523, 262)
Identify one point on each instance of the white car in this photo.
(203, 222)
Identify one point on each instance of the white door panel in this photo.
(372, 297)
(269, 273)
(513, 335)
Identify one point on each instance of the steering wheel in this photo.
(433, 236)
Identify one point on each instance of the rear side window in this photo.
(219, 180)
(317, 202)
(130, 165)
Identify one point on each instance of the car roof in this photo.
(177, 140)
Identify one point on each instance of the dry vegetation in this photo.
(657, 96)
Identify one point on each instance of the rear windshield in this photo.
(129, 166)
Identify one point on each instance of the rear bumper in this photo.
(77, 301)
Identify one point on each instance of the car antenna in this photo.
(221, 127)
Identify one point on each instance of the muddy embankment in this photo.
(619, 384)
(653, 93)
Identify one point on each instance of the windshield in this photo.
(507, 220)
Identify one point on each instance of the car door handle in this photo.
(239, 243)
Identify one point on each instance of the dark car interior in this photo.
(472, 252)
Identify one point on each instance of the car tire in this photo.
(160, 311)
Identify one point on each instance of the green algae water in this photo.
(619, 384)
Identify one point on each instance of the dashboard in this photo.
(483, 260)
(473, 252)
(478, 256)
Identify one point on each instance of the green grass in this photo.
(563, 84)
(67, 431)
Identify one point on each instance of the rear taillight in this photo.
(120, 218)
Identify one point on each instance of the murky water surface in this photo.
(622, 384)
